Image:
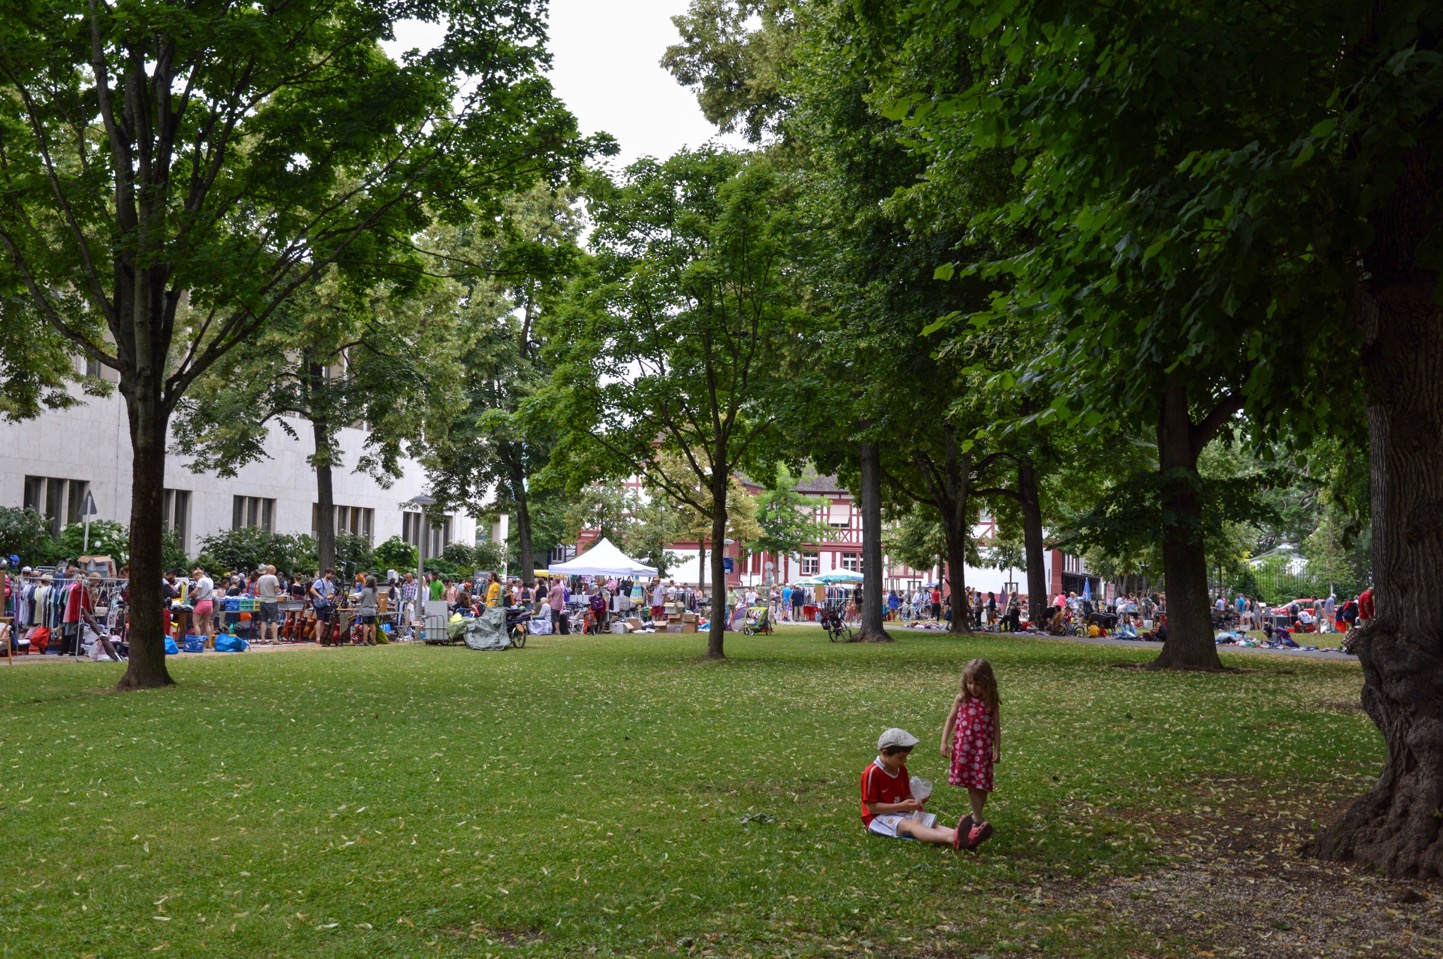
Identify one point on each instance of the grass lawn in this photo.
(616, 796)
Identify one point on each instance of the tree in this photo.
(735, 55)
(1282, 216)
(337, 355)
(174, 173)
(787, 519)
(655, 524)
(901, 428)
(915, 537)
(741, 527)
(600, 507)
(496, 442)
(678, 339)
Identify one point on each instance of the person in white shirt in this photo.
(202, 596)
(268, 597)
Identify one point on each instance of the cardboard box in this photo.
(688, 627)
(688, 617)
(634, 623)
(674, 628)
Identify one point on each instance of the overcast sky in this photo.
(606, 68)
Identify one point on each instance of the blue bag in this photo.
(170, 648)
(231, 644)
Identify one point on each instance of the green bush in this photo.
(245, 549)
(26, 533)
(107, 538)
(172, 553)
(395, 553)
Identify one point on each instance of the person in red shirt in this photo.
(1365, 605)
(887, 803)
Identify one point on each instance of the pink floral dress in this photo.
(972, 741)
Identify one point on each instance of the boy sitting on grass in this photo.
(887, 803)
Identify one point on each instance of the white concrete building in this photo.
(51, 462)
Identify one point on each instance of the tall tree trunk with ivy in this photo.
(523, 519)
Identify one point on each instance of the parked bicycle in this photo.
(830, 619)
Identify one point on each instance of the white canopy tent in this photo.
(603, 559)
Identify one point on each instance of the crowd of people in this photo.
(56, 610)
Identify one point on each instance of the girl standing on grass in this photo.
(972, 738)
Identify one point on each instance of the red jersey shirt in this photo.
(878, 785)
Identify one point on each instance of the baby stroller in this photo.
(758, 621)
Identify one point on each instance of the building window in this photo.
(175, 510)
(811, 563)
(852, 562)
(839, 516)
(440, 531)
(253, 512)
(354, 520)
(58, 500)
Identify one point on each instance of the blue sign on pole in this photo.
(727, 563)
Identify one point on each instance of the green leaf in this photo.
(897, 109)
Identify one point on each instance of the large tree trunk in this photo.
(1032, 535)
(146, 668)
(957, 528)
(523, 523)
(1397, 826)
(321, 463)
(955, 532)
(1190, 642)
(873, 601)
(715, 636)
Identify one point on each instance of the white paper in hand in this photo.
(921, 789)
